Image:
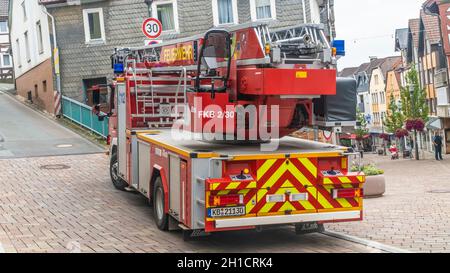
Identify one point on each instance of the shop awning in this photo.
(353, 136)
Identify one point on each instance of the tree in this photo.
(414, 105)
(395, 119)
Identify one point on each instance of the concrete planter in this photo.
(375, 186)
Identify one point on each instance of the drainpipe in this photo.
(55, 52)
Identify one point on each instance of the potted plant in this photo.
(375, 185)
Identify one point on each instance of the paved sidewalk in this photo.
(78, 210)
(415, 212)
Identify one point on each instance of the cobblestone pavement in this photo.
(77, 209)
(415, 212)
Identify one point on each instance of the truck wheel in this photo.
(118, 182)
(161, 218)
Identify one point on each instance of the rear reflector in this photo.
(226, 200)
(276, 198)
(347, 193)
(299, 197)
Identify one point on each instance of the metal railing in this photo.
(82, 115)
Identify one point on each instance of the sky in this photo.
(368, 27)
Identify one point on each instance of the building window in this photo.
(376, 79)
(262, 9)
(44, 86)
(3, 27)
(166, 12)
(27, 47)
(94, 28)
(6, 60)
(39, 37)
(24, 10)
(225, 12)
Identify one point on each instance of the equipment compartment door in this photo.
(175, 186)
(121, 129)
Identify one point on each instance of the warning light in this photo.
(268, 49)
(226, 200)
(246, 171)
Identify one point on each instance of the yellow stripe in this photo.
(287, 184)
(267, 208)
(275, 177)
(297, 174)
(312, 190)
(344, 163)
(309, 165)
(307, 205)
(215, 186)
(223, 192)
(345, 180)
(233, 186)
(323, 201)
(344, 203)
(252, 185)
(265, 167)
(361, 179)
(327, 181)
(287, 206)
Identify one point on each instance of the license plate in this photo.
(226, 212)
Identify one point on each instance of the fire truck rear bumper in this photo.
(289, 219)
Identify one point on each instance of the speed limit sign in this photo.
(152, 28)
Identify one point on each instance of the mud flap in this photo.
(308, 228)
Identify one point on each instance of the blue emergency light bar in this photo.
(340, 47)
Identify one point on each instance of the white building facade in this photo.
(32, 52)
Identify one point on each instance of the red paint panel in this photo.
(284, 82)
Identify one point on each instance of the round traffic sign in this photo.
(152, 28)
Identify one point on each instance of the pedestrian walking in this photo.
(437, 141)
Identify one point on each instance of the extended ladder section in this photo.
(159, 75)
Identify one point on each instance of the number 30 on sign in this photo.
(152, 28)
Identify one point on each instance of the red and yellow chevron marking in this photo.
(300, 175)
(339, 180)
(220, 186)
(345, 203)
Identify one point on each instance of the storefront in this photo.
(447, 135)
(441, 126)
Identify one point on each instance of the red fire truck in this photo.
(227, 182)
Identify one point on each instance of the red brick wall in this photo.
(35, 78)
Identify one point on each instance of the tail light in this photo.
(347, 193)
(108, 140)
(226, 200)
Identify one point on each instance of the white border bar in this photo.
(288, 219)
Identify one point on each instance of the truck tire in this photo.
(161, 218)
(118, 182)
